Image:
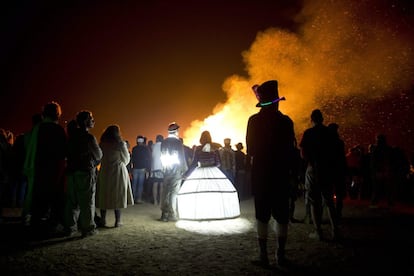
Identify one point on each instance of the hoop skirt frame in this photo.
(207, 194)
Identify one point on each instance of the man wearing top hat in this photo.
(270, 141)
(174, 165)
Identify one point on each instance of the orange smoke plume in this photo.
(344, 49)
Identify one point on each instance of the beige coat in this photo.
(113, 188)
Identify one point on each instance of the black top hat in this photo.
(267, 93)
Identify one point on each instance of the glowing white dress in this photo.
(207, 194)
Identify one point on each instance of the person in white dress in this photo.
(206, 193)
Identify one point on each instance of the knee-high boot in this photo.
(118, 222)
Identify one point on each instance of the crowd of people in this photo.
(60, 176)
(65, 179)
(319, 161)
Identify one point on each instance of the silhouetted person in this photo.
(382, 171)
(5, 169)
(296, 178)
(401, 170)
(18, 179)
(240, 181)
(317, 147)
(83, 157)
(270, 142)
(228, 160)
(188, 152)
(355, 163)
(28, 167)
(339, 170)
(45, 159)
(156, 170)
(140, 164)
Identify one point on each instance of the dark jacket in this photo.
(141, 157)
(83, 152)
(270, 141)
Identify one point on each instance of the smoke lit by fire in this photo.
(345, 51)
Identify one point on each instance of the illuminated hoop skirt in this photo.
(207, 194)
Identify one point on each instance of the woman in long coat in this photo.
(113, 190)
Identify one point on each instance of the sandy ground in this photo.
(375, 241)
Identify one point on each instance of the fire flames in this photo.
(340, 52)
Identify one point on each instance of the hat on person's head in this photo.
(267, 93)
(173, 127)
(227, 141)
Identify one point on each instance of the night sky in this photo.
(144, 64)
